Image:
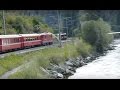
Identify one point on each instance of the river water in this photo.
(105, 67)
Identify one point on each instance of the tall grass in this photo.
(83, 48)
(31, 72)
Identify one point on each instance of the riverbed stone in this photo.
(69, 72)
(69, 63)
(59, 75)
(59, 69)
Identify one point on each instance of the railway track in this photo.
(31, 49)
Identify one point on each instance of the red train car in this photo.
(9, 42)
(30, 40)
(46, 38)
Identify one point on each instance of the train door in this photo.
(22, 42)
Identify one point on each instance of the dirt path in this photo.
(7, 74)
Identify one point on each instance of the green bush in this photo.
(95, 33)
(83, 48)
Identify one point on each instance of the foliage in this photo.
(16, 23)
(88, 17)
(83, 48)
(95, 33)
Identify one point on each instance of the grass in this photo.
(42, 58)
(30, 73)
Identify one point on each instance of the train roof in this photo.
(45, 33)
(61, 34)
(24, 35)
(9, 36)
(28, 35)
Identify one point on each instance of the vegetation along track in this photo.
(31, 49)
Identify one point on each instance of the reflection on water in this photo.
(106, 67)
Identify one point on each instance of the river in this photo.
(105, 67)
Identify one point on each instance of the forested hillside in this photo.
(36, 21)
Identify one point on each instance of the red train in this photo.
(21, 41)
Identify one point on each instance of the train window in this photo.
(45, 37)
(14, 40)
(17, 39)
(8, 41)
(41, 36)
(27, 39)
(3, 41)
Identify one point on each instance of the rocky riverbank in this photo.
(63, 71)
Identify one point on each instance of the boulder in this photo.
(55, 75)
(59, 75)
(69, 63)
(59, 69)
(69, 72)
(82, 63)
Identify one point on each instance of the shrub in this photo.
(83, 48)
(95, 33)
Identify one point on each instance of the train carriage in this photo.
(30, 40)
(46, 38)
(21, 41)
(10, 42)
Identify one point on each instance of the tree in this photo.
(95, 33)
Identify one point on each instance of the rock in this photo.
(68, 67)
(74, 63)
(53, 74)
(77, 58)
(59, 69)
(73, 69)
(56, 75)
(93, 58)
(69, 72)
(82, 63)
(68, 63)
(77, 63)
(88, 58)
(59, 75)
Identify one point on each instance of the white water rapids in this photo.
(106, 67)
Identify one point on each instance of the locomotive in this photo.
(21, 41)
(63, 36)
